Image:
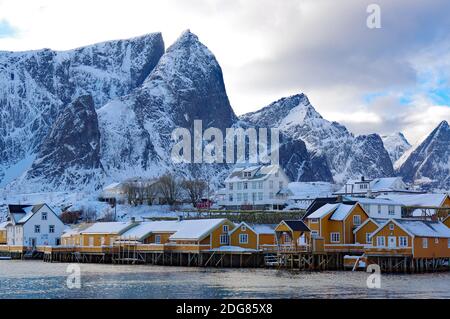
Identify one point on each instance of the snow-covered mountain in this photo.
(345, 155)
(429, 163)
(396, 144)
(36, 86)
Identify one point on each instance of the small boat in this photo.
(5, 258)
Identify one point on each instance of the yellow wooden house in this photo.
(364, 232)
(335, 223)
(3, 239)
(72, 236)
(103, 233)
(292, 235)
(201, 234)
(253, 236)
(409, 237)
(446, 221)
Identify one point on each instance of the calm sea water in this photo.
(36, 279)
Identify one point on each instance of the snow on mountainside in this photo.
(396, 144)
(70, 154)
(428, 164)
(35, 86)
(345, 155)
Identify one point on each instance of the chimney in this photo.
(133, 220)
(180, 218)
(362, 178)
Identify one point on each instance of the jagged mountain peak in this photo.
(396, 144)
(429, 163)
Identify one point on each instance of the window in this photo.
(254, 185)
(280, 184)
(436, 240)
(403, 241)
(225, 228)
(245, 185)
(260, 196)
(51, 229)
(363, 186)
(230, 197)
(44, 215)
(157, 239)
(391, 210)
(260, 185)
(102, 241)
(37, 229)
(230, 186)
(425, 243)
(239, 185)
(448, 243)
(381, 241)
(314, 233)
(253, 196)
(356, 220)
(271, 184)
(335, 237)
(314, 220)
(379, 209)
(243, 228)
(224, 239)
(243, 239)
(287, 238)
(239, 197)
(270, 195)
(91, 241)
(391, 226)
(368, 238)
(245, 197)
(366, 208)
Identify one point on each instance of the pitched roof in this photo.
(196, 229)
(309, 190)
(417, 199)
(377, 221)
(375, 201)
(257, 228)
(260, 172)
(319, 202)
(3, 225)
(20, 214)
(423, 228)
(339, 211)
(323, 211)
(107, 228)
(296, 225)
(144, 229)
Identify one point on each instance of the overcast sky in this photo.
(395, 78)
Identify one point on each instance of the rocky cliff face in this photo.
(429, 163)
(70, 154)
(334, 147)
(36, 86)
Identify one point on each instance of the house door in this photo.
(33, 242)
(392, 242)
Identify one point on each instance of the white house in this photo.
(420, 205)
(378, 207)
(301, 194)
(375, 187)
(254, 187)
(33, 225)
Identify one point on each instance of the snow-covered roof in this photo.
(196, 229)
(259, 173)
(263, 228)
(3, 225)
(324, 210)
(433, 200)
(107, 228)
(382, 184)
(424, 228)
(111, 186)
(374, 201)
(145, 228)
(340, 211)
(233, 249)
(377, 221)
(75, 230)
(310, 190)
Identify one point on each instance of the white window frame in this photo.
(436, 240)
(51, 229)
(314, 233)
(379, 209)
(403, 241)
(314, 220)
(270, 184)
(381, 241)
(224, 239)
(260, 185)
(44, 216)
(260, 196)
(37, 229)
(225, 229)
(391, 210)
(368, 238)
(157, 239)
(425, 243)
(391, 226)
(91, 241)
(448, 243)
(333, 237)
(230, 186)
(242, 237)
(356, 217)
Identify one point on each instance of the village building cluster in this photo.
(365, 218)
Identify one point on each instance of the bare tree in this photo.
(195, 189)
(169, 187)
